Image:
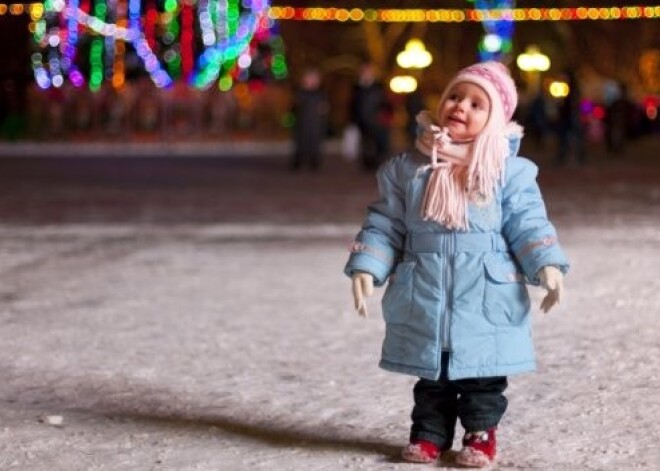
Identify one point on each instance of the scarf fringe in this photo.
(447, 202)
(454, 183)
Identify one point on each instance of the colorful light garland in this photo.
(633, 12)
(626, 12)
(228, 29)
(497, 42)
(164, 40)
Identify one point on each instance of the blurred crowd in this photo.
(370, 121)
(576, 122)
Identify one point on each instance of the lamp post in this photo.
(533, 62)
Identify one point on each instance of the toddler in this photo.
(459, 230)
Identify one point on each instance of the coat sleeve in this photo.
(378, 246)
(530, 235)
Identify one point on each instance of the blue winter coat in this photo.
(462, 292)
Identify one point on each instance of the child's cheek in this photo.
(441, 118)
(440, 114)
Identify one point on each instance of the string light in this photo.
(227, 29)
(479, 15)
(284, 13)
(499, 32)
(187, 41)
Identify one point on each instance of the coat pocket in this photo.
(506, 300)
(397, 299)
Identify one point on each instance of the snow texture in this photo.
(187, 349)
(234, 346)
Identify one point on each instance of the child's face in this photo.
(465, 111)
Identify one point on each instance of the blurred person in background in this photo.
(619, 122)
(372, 113)
(414, 104)
(537, 122)
(570, 128)
(310, 108)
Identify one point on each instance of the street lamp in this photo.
(414, 56)
(403, 84)
(559, 89)
(533, 62)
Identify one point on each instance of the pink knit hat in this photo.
(496, 81)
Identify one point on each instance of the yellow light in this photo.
(403, 84)
(604, 13)
(555, 14)
(36, 11)
(418, 15)
(356, 14)
(495, 15)
(519, 14)
(615, 13)
(342, 14)
(458, 16)
(414, 56)
(582, 13)
(593, 13)
(532, 60)
(559, 89)
(535, 14)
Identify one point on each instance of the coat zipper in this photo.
(449, 285)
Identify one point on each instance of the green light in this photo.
(170, 5)
(370, 15)
(231, 52)
(232, 17)
(225, 83)
(100, 10)
(288, 120)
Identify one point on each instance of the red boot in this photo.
(421, 451)
(478, 450)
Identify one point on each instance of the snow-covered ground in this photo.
(232, 345)
(235, 347)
